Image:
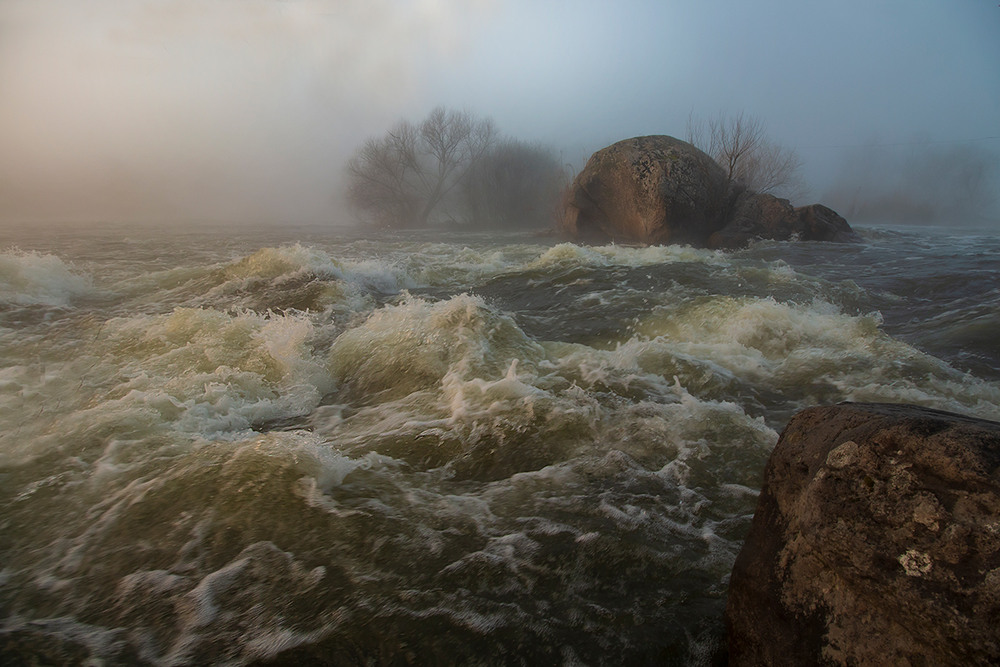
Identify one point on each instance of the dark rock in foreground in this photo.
(658, 190)
(876, 540)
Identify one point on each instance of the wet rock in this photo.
(876, 540)
(659, 190)
(654, 189)
(763, 216)
(821, 223)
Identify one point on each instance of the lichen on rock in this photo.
(875, 541)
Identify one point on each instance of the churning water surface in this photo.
(302, 446)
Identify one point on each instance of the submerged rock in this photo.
(658, 190)
(876, 540)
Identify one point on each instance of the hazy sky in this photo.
(247, 109)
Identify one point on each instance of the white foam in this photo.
(416, 344)
(434, 264)
(378, 275)
(285, 261)
(615, 255)
(242, 597)
(213, 373)
(31, 278)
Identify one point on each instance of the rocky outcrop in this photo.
(876, 541)
(658, 190)
(763, 216)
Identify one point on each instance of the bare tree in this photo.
(406, 177)
(740, 145)
(381, 177)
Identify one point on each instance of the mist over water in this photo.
(949, 183)
(235, 430)
(292, 445)
(161, 112)
(156, 112)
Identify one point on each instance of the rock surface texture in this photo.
(876, 541)
(658, 190)
(653, 189)
(760, 216)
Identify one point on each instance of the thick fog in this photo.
(247, 110)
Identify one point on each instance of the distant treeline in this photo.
(453, 168)
(919, 183)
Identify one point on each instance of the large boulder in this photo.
(658, 190)
(876, 541)
(651, 190)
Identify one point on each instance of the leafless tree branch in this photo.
(740, 145)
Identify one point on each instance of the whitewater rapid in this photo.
(485, 449)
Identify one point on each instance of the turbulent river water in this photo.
(306, 446)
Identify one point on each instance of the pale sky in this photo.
(173, 110)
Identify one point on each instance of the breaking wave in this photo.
(32, 278)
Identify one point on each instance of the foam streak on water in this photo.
(296, 447)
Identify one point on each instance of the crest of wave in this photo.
(31, 278)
